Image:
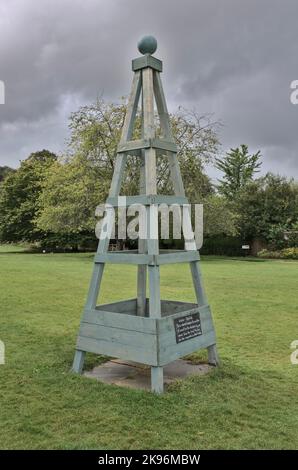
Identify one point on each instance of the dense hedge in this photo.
(286, 253)
(222, 245)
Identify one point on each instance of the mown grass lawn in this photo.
(250, 402)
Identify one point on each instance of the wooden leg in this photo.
(94, 285)
(157, 379)
(154, 292)
(213, 355)
(78, 362)
(142, 248)
(197, 283)
(202, 300)
(142, 281)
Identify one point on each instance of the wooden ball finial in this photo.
(147, 45)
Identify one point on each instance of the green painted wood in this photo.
(133, 257)
(132, 106)
(162, 107)
(94, 287)
(176, 174)
(147, 61)
(121, 320)
(142, 244)
(198, 283)
(147, 45)
(173, 351)
(166, 327)
(124, 201)
(213, 357)
(122, 306)
(166, 320)
(177, 257)
(123, 329)
(123, 257)
(157, 382)
(174, 306)
(141, 144)
(154, 292)
(137, 144)
(135, 339)
(78, 362)
(117, 175)
(114, 349)
(163, 144)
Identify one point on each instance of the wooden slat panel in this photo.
(173, 351)
(127, 352)
(123, 306)
(120, 320)
(173, 306)
(166, 327)
(133, 338)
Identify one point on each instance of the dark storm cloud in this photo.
(233, 58)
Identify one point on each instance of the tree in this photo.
(74, 187)
(265, 204)
(219, 218)
(238, 167)
(19, 198)
(71, 192)
(4, 172)
(198, 144)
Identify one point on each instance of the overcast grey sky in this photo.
(233, 58)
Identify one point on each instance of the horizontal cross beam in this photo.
(140, 144)
(133, 257)
(146, 200)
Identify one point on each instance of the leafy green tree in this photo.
(238, 167)
(4, 172)
(219, 218)
(198, 144)
(19, 198)
(73, 188)
(266, 204)
(71, 192)
(282, 236)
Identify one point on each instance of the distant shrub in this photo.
(290, 253)
(222, 245)
(286, 253)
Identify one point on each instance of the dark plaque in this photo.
(187, 327)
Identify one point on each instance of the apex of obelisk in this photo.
(147, 45)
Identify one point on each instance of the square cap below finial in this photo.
(147, 61)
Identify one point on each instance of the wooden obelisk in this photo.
(146, 330)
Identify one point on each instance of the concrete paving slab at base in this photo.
(134, 375)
